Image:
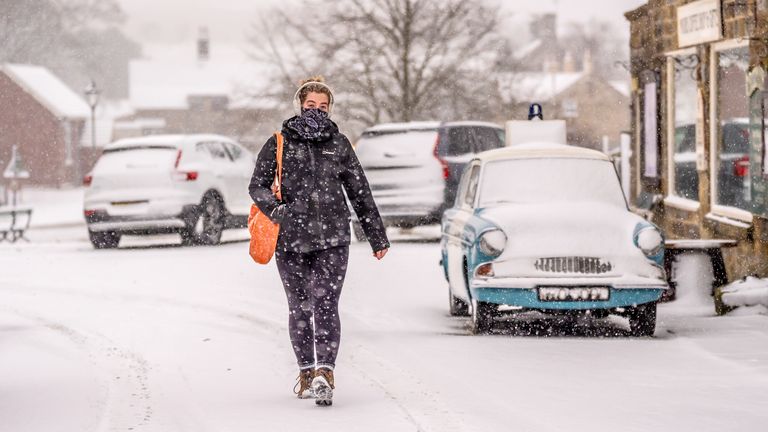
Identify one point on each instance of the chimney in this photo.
(587, 65)
(568, 64)
(203, 45)
(544, 27)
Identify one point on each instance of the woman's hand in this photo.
(379, 254)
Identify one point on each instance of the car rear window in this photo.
(378, 148)
(461, 140)
(149, 157)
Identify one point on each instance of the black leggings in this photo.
(312, 283)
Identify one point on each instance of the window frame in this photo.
(714, 131)
(672, 199)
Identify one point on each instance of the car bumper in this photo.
(100, 220)
(523, 292)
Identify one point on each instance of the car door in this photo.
(219, 166)
(454, 227)
(238, 176)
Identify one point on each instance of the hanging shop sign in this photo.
(699, 22)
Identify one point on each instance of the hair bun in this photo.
(316, 78)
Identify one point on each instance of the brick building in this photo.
(45, 119)
(699, 93)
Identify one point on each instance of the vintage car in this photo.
(546, 227)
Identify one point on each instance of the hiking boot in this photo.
(322, 386)
(303, 387)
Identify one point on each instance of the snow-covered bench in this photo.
(14, 223)
(713, 248)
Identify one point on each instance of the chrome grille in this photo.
(583, 265)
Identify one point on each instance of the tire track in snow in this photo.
(124, 384)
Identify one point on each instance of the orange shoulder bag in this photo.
(263, 231)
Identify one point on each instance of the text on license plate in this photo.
(574, 293)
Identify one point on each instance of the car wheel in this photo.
(207, 225)
(358, 232)
(456, 306)
(482, 317)
(642, 320)
(104, 239)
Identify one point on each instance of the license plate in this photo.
(574, 293)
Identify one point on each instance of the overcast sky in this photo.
(177, 21)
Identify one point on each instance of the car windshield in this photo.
(532, 181)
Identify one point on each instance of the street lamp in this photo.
(92, 94)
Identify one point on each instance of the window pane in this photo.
(686, 179)
(474, 176)
(732, 158)
(459, 141)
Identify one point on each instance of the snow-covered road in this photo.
(194, 339)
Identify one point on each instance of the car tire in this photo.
(482, 317)
(457, 306)
(357, 231)
(207, 225)
(104, 239)
(642, 320)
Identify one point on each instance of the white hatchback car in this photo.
(194, 185)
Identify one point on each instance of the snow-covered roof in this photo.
(538, 86)
(49, 90)
(170, 75)
(527, 49)
(542, 150)
(621, 86)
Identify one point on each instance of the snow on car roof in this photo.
(416, 125)
(170, 140)
(541, 150)
(471, 123)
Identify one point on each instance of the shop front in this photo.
(699, 106)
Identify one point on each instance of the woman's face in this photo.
(316, 100)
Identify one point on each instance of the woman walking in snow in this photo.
(319, 165)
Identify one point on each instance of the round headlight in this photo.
(492, 242)
(649, 240)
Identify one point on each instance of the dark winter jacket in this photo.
(315, 174)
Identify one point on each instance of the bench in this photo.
(712, 248)
(14, 223)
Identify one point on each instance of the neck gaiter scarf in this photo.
(312, 125)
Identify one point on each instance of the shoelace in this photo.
(303, 382)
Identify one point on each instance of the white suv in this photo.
(195, 185)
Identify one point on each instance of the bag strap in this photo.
(277, 187)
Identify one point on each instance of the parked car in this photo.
(546, 227)
(414, 168)
(734, 182)
(194, 185)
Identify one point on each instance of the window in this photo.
(731, 179)
(487, 139)
(474, 177)
(235, 152)
(460, 141)
(213, 149)
(685, 176)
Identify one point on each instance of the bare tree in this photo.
(602, 42)
(398, 60)
(77, 39)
